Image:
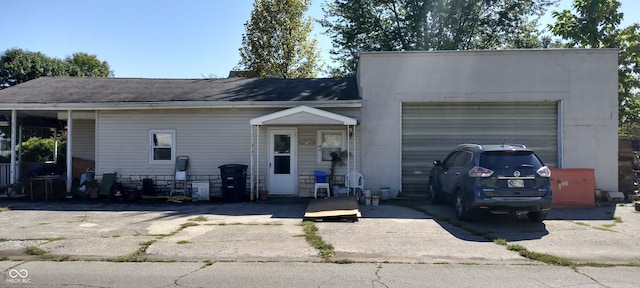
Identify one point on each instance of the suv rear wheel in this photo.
(462, 211)
(537, 216)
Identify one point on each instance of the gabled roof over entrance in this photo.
(303, 115)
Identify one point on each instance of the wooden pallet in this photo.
(333, 209)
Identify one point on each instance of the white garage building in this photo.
(416, 106)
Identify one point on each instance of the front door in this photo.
(282, 161)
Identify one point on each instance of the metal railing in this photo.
(5, 173)
(5, 170)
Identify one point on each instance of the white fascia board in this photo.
(303, 109)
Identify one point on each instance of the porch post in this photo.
(354, 149)
(69, 155)
(251, 167)
(348, 150)
(12, 170)
(258, 159)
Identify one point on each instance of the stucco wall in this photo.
(584, 81)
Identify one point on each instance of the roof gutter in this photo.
(180, 105)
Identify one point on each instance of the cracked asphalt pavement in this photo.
(170, 243)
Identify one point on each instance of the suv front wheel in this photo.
(434, 198)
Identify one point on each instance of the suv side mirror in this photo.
(437, 163)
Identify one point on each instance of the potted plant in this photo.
(262, 194)
(338, 158)
(93, 188)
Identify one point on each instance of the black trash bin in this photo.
(234, 182)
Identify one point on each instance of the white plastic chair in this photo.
(355, 181)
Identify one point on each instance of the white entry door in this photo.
(282, 161)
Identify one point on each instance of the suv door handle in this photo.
(457, 173)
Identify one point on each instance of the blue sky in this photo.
(154, 38)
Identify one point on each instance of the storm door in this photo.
(282, 178)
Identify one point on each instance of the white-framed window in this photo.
(330, 141)
(162, 146)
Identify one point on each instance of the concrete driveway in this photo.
(272, 231)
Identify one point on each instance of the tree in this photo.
(18, 66)
(276, 42)
(83, 64)
(394, 25)
(594, 24)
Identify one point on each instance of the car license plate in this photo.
(516, 183)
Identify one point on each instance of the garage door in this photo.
(431, 130)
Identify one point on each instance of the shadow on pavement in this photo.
(277, 208)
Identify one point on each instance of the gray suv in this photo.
(492, 179)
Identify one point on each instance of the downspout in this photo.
(69, 155)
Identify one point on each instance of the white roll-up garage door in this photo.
(431, 130)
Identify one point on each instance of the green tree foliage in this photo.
(38, 146)
(83, 64)
(18, 66)
(595, 24)
(276, 42)
(394, 25)
(37, 149)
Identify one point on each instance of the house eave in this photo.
(179, 105)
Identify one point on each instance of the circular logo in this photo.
(516, 173)
(23, 273)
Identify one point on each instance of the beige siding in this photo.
(209, 137)
(83, 144)
(308, 150)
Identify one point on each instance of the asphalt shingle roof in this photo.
(109, 90)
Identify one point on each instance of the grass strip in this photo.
(310, 234)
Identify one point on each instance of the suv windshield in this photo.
(509, 159)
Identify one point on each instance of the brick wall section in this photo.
(306, 184)
(163, 183)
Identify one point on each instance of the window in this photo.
(462, 159)
(329, 141)
(162, 143)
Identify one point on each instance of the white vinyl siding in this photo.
(209, 137)
(431, 130)
(83, 142)
(308, 150)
